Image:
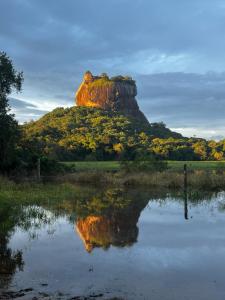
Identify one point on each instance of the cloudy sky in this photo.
(174, 49)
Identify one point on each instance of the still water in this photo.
(115, 244)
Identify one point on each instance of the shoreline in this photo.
(168, 179)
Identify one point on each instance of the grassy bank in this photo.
(197, 179)
(81, 185)
(173, 165)
(32, 192)
(201, 175)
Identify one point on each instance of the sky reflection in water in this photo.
(131, 244)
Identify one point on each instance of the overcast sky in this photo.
(174, 49)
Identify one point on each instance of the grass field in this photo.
(173, 165)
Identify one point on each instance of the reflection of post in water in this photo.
(185, 193)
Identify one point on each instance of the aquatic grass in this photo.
(30, 192)
(202, 179)
(208, 180)
(156, 179)
(92, 177)
(67, 186)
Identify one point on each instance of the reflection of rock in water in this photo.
(117, 229)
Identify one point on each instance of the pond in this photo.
(114, 244)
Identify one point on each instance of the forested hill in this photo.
(91, 133)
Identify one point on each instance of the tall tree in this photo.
(10, 80)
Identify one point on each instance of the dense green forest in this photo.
(80, 133)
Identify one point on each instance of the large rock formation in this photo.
(116, 94)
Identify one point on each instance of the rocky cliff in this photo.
(116, 94)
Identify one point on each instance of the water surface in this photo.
(130, 244)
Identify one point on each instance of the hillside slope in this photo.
(91, 133)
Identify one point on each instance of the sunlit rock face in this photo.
(103, 231)
(116, 94)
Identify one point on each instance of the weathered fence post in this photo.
(39, 169)
(185, 193)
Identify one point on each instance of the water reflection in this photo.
(102, 218)
(10, 260)
(12, 217)
(115, 223)
(185, 203)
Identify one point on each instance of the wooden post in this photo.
(39, 169)
(185, 193)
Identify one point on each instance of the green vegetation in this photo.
(56, 195)
(172, 165)
(83, 133)
(126, 79)
(143, 163)
(104, 80)
(94, 165)
(10, 80)
(172, 179)
(202, 180)
(197, 165)
(188, 149)
(30, 192)
(91, 134)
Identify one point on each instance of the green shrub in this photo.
(146, 163)
(53, 167)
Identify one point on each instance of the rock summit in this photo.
(116, 94)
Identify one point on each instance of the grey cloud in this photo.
(55, 33)
(184, 100)
(24, 110)
(54, 42)
(20, 104)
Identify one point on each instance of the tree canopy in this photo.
(9, 131)
(80, 133)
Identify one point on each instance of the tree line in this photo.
(83, 133)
